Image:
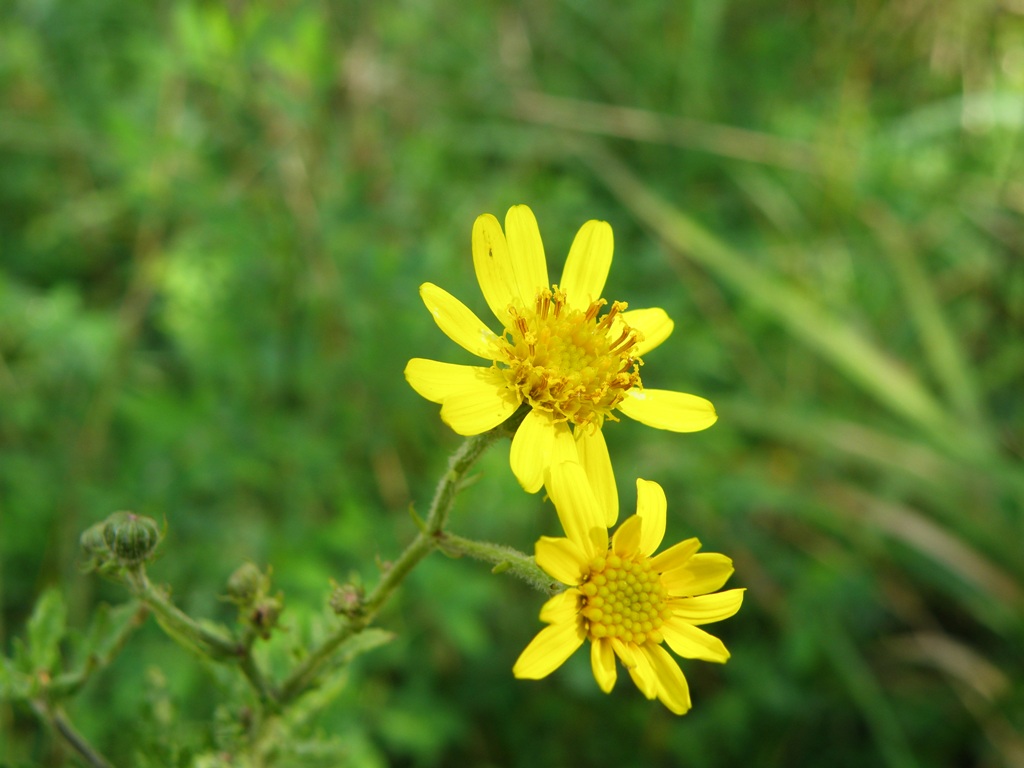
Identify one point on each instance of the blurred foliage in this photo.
(213, 221)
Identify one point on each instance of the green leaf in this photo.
(365, 641)
(108, 627)
(333, 680)
(45, 631)
(13, 684)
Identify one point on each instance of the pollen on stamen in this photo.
(566, 362)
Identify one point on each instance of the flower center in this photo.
(624, 599)
(567, 361)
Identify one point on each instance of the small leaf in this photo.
(108, 627)
(365, 641)
(417, 520)
(13, 684)
(45, 631)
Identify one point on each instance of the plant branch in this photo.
(60, 722)
(505, 560)
(192, 634)
(69, 683)
(428, 539)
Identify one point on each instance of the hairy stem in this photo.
(208, 641)
(505, 560)
(428, 539)
(60, 722)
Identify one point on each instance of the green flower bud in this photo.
(347, 600)
(131, 538)
(246, 584)
(265, 613)
(92, 542)
(95, 549)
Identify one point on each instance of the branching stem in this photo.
(430, 537)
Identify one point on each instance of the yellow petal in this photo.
(473, 400)
(627, 653)
(474, 397)
(675, 556)
(704, 572)
(626, 541)
(561, 608)
(586, 268)
(602, 661)
(643, 674)
(654, 325)
(705, 609)
(651, 507)
(549, 650)
(664, 409)
(593, 453)
(459, 322)
(493, 267)
(561, 558)
(537, 444)
(579, 512)
(673, 690)
(527, 253)
(692, 642)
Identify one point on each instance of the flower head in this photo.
(625, 599)
(569, 354)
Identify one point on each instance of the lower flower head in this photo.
(625, 599)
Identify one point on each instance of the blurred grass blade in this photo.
(996, 597)
(829, 335)
(867, 693)
(593, 117)
(940, 345)
(981, 684)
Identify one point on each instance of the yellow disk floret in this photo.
(624, 599)
(567, 361)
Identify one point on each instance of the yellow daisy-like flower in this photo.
(557, 352)
(623, 597)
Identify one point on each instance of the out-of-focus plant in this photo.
(558, 360)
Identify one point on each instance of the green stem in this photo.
(505, 560)
(428, 539)
(190, 633)
(78, 742)
(209, 642)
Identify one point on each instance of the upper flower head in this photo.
(572, 356)
(623, 597)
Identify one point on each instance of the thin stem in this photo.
(187, 631)
(68, 684)
(70, 734)
(505, 560)
(180, 625)
(427, 540)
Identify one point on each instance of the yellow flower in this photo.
(623, 597)
(574, 366)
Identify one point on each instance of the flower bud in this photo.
(92, 542)
(246, 584)
(131, 538)
(96, 553)
(347, 600)
(265, 613)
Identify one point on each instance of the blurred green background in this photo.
(213, 221)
